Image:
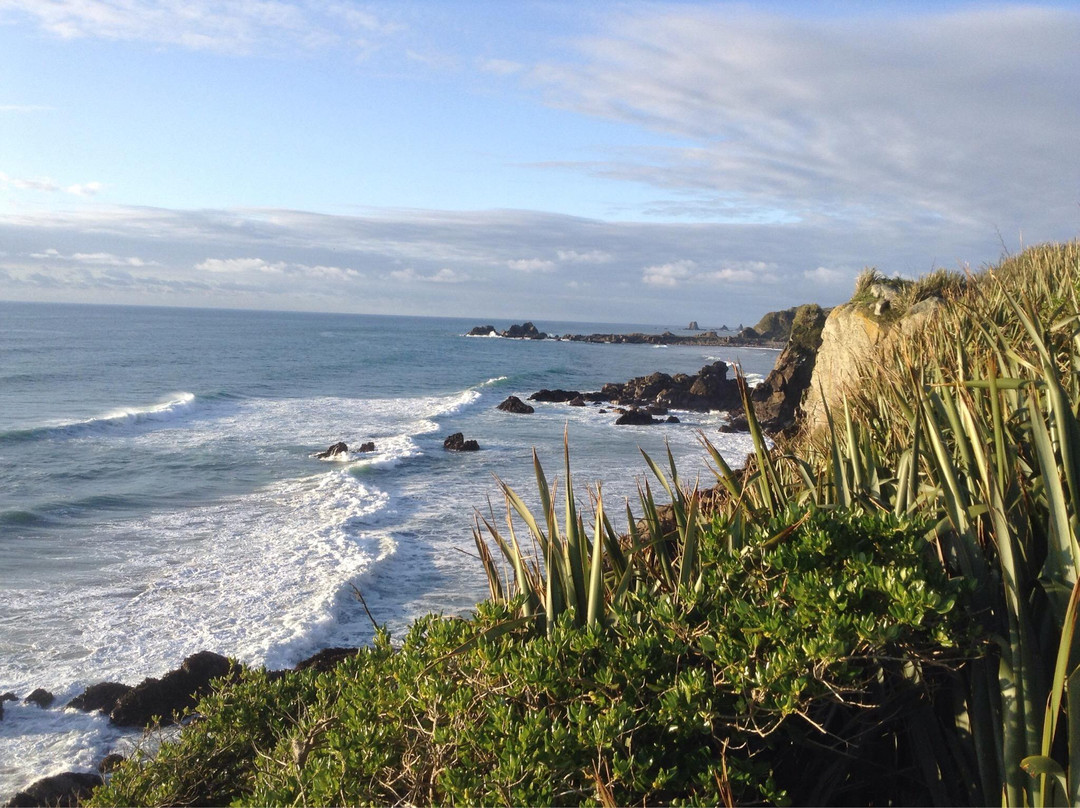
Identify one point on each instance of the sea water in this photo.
(159, 495)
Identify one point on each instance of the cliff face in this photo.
(853, 337)
(777, 399)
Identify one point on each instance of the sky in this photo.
(626, 162)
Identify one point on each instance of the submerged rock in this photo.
(335, 449)
(515, 404)
(457, 443)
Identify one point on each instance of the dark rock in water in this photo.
(9, 696)
(656, 409)
(326, 659)
(524, 331)
(367, 447)
(110, 762)
(178, 690)
(693, 326)
(457, 443)
(482, 331)
(554, 396)
(576, 401)
(710, 389)
(60, 789)
(635, 418)
(736, 423)
(602, 411)
(41, 697)
(102, 696)
(671, 419)
(515, 404)
(335, 449)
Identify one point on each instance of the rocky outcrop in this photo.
(335, 449)
(777, 400)
(483, 331)
(103, 696)
(41, 697)
(709, 389)
(693, 326)
(156, 700)
(774, 326)
(555, 396)
(524, 331)
(515, 405)
(457, 443)
(326, 659)
(369, 446)
(853, 338)
(635, 417)
(66, 789)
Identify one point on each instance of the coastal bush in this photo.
(717, 697)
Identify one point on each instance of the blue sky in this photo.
(642, 162)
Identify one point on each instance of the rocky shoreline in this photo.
(744, 338)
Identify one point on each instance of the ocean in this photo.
(159, 494)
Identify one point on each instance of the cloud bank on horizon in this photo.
(636, 162)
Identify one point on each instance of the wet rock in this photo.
(482, 331)
(326, 659)
(155, 700)
(709, 389)
(671, 419)
(60, 789)
(635, 418)
(367, 447)
(554, 396)
(737, 422)
(457, 443)
(576, 401)
(41, 697)
(103, 696)
(524, 331)
(335, 449)
(515, 404)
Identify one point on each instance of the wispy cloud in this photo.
(531, 265)
(225, 26)
(49, 185)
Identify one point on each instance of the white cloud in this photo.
(826, 275)
(85, 188)
(531, 265)
(444, 275)
(50, 185)
(237, 265)
(585, 257)
(669, 274)
(99, 259)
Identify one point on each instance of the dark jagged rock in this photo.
(482, 331)
(9, 696)
(367, 447)
(777, 400)
(60, 789)
(671, 419)
(326, 659)
(524, 331)
(554, 396)
(710, 389)
(737, 422)
(102, 696)
(576, 401)
(702, 338)
(515, 404)
(457, 443)
(178, 690)
(693, 326)
(41, 697)
(635, 418)
(335, 449)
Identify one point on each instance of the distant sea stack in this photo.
(693, 326)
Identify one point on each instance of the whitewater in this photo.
(159, 493)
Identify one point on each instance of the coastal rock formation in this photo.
(41, 697)
(157, 699)
(335, 449)
(103, 696)
(367, 447)
(524, 331)
(576, 401)
(66, 789)
(483, 331)
(457, 443)
(635, 417)
(774, 326)
(326, 659)
(555, 396)
(516, 405)
(710, 389)
(853, 337)
(777, 400)
(693, 326)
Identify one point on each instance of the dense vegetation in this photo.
(882, 613)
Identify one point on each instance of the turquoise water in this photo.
(158, 493)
